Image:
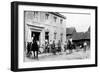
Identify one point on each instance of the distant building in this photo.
(69, 32)
(87, 36)
(45, 26)
(78, 37)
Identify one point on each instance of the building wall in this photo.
(40, 22)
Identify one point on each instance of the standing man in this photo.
(65, 46)
(59, 46)
(70, 45)
(85, 45)
(35, 47)
(50, 44)
(46, 46)
(53, 48)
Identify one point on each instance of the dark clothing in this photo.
(29, 44)
(69, 45)
(35, 55)
(59, 47)
(35, 46)
(65, 47)
(46, 47)
(53, 48)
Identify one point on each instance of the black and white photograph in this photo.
(56, 36)
(53, 36)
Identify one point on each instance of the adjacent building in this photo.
(78, 37)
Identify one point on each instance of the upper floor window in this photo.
(61, 21)
(55, 33)
(35, 14)
(46, 16)
(61, 37)
(55, 18)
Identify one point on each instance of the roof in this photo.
(89, 29)
(70, 31)
(87, 35)
(78, 36)
(81, 35)
(58, 14)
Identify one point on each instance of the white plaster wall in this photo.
(48, 24)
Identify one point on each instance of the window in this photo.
(55, 19)
(47, 36)
(55, 35)
(61, 37)
(35, 14)
(46, 16)
(61, 21)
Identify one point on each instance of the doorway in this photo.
(37, 35)
(47, 36)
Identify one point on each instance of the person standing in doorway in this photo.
(35, 47)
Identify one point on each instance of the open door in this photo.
(37, 35)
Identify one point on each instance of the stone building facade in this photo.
(45, 26)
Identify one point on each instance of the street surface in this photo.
(62, 56)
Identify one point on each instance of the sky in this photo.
(81, 22)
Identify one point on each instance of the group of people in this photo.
(52, 47)
(33, 48)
